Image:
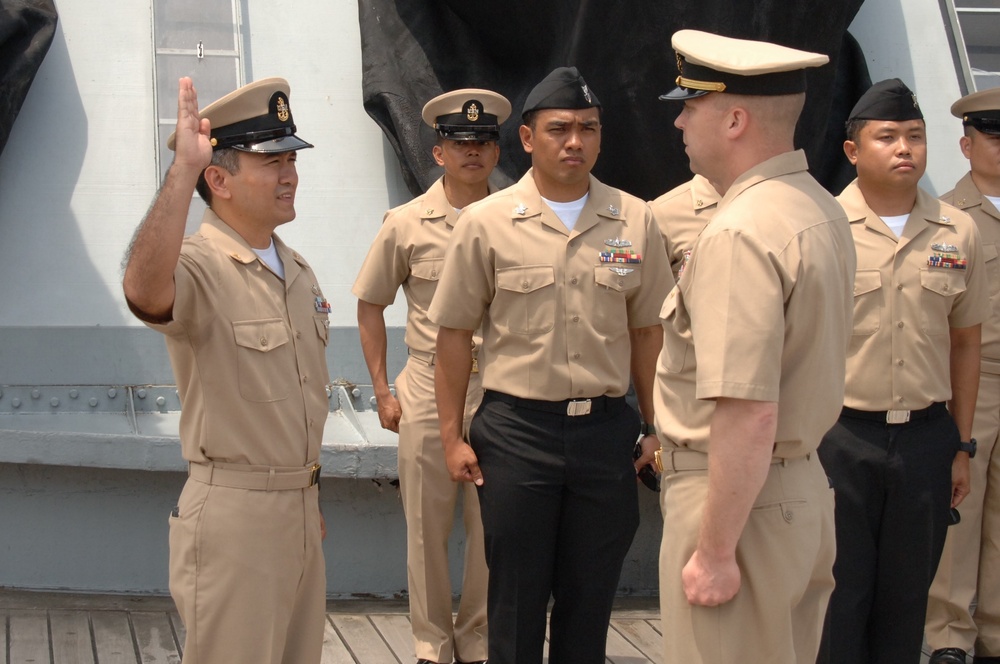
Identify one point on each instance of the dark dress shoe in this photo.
(948, 656)
(429, 661)
(986, 660)
(481, 661)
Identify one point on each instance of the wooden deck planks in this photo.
(113, 637)
(398, 635)
(97, 635)
(71, 640)
(154, 638)
(362, 639)
(28, 637)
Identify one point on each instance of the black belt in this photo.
(896, 416)
(567, 407)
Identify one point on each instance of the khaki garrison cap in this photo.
(980, 110)
(254, 118)
(712, 63)
(469, 114)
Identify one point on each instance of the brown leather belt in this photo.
(257, 478)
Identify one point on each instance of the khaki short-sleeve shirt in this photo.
(908, 293)
(762, 311)
(248, 352)
(555, 312)
(967, 198)
(408, 251)
(681, 215)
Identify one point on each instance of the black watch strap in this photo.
(969, 447)
(646, 429)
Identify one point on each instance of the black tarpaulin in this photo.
(26, 31)
(412, 51)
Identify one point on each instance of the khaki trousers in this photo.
(429, 498)
(785, 554)
(248, 576)
(970, 563)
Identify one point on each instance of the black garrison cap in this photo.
(887, 100)
(563, 88)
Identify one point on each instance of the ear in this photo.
(966, 144)
(737, 120)
(438, 153)
(217, 179)
(851, 150)
(526, 135)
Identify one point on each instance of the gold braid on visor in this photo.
(692, 84)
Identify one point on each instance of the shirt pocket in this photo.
(939, 287)
(525, 301)
(990, 256)
(867, 302)
(265, 362)
(610, 313)
(424, 276)
(675, 324)
(323, 328)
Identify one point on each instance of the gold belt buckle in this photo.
(578, 407)
(658, 460)
(475, 365)
(314, 478)
(897, 416)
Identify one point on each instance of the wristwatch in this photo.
(646, 429)
(969, 447)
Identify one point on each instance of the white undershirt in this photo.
(896, 223)
(271, 259)
(995, 200)
(569, 212)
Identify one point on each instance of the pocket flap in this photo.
(428, 268)
(525, 279)
(606, 276)
(989, 252)
(262, 335)
(943, 281)
(866, 281)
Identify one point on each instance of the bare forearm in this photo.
(965, 358)
(646, 344)
(149, 272)
(371, 326)
(453, 362)
(740, 447)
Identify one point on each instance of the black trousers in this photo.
(560, 508)
(892, 484)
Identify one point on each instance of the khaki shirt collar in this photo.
(603, 202)
(925, 213)
(783, 164)
(435, 203)
(703, 194)
(233, 245)
(967, 195)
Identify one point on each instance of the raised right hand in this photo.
(193, 147)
